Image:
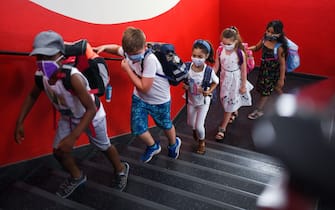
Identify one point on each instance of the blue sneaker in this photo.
(150, 152)
(174, 149)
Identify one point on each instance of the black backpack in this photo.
(81, 55)
(174, 69)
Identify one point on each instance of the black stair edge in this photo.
(9, 174)
(204, 157)
(129, 197)
(117, 193)
(50, 196)
(165, 187)
(242, 154)
(257, 156)
(174, 173)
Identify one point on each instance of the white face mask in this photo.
(229, 47)
(198, 61)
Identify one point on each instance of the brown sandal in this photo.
(201, 147)
(233, 117)
(220, 134)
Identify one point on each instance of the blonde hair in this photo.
(133, 40)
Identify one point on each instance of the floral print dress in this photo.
(269, 72)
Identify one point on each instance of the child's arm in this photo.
(108, 48)
(256, 47)
(142, 84)
(26, 108)
(217, 62)
(282, 68)
(243, 74)
(85, 98)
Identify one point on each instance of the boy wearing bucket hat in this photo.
(80, 111)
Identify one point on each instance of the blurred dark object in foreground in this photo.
(300, 133)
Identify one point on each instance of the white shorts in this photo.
(96, 132)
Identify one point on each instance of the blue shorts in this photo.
(140, 110)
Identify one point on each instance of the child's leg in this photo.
(97, 134)
(200, 121)
(223, 126)
(64, 157)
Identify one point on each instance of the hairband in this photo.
(204, 43)
(232, 28)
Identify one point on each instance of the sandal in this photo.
(255, 114)
(220, 134)
(233, 117)
(201, 147)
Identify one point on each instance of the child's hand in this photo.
(99, 49)
(279, 86)
(206, 92)
(243, 90)
(186, 86)
(19, 134)
(125, 65)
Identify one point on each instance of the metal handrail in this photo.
(5, 52)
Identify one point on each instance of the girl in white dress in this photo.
(234, 89)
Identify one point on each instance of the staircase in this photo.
(226, 177)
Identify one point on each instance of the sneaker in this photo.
(70, 184)
(255, 114)
(174, 149)
(122, 178)
(150, 152)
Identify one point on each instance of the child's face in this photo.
(270, 32)
(199, 53)
(228, 41)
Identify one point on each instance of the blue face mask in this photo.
(135, 58)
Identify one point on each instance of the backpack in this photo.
(249, 54)
(205, 81)
(293, 58)
(81, 55)
(174, 69)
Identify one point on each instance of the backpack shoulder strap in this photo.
(207, 77)
(65, 76)
(275, 49)
(147, 52)
(240, 56)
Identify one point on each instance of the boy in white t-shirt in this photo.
(151, 95)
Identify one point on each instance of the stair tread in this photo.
(178, 180)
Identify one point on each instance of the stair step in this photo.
(234, 150)
(179, 180)
(251, 161)
(92, 194)
(31, 197)
(207, 161)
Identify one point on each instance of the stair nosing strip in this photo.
(233, 148)
(95, 185)
(219, 161)
(277, 170)
(163, 186)
(179, 174)
(48, 195)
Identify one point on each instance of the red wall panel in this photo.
(308, 23)
(180, 25)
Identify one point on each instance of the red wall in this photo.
(21, 20)
(309, 23)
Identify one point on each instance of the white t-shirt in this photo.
(159, 92)
(195, 97)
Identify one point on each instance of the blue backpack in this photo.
(293, 58)
(205, 81)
